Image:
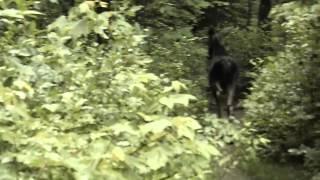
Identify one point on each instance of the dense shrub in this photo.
(284, 104)
(74, 109)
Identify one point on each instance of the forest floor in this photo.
(266, 171)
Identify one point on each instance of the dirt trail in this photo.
(234, 174)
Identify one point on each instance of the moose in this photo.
(223, 74)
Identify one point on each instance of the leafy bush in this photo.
(284, 104)
(74, 109)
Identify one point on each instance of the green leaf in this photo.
(186, 126)
(123, 127)
(176, 99)
(13, 13)
(133, 10)
(156, 158)
(80, 28)
(186, 121)
(225, 160)
(118, 154)
(146, 77)
(186, 132)
(207, 150)
(30, 12)
(18, 109)
(67, 97)
(23, 85)
(86, 6)
(264, 141)
(51, 107)
(150, 118)
(155, 126)
(98, 147)
(176, 86)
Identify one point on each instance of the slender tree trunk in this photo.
(249, 15)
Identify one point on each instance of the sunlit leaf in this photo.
(156, 158)
(80, 28)
(208, 150)
(51, 107)
(11, 13)
(86, 6)
(176, 99)
(118, 154)
(155, 126)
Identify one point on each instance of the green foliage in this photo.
(132, 107)
(254, 43)
(284, 104)
(264, 170)
(177, 53)
(182, 55)
(73, 109)
(169, 14)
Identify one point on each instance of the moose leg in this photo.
(218, 88)
(217, 98)
(210, 100)
(230, 96)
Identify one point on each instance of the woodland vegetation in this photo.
(118, 89)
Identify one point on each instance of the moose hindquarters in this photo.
(223, 77)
